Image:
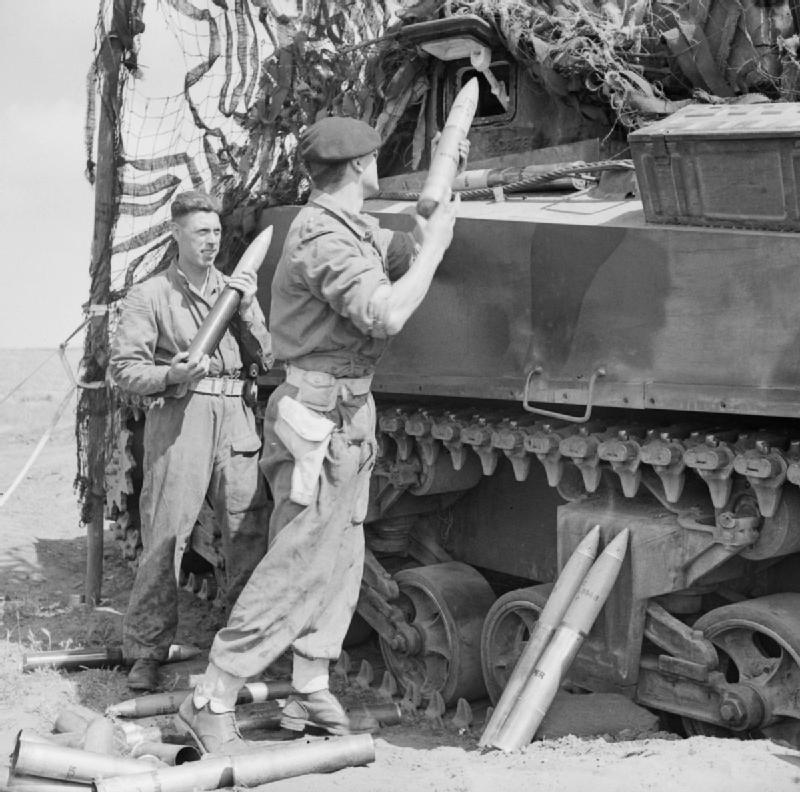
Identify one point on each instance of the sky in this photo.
(46, 204)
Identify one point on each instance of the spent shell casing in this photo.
(135, 733)
(386, 714)
(70, 739)
(40, 784)
(250, 769)
(100, 736)
(265, 718)
(74, 718)
(72, 659)
(70, 764)
(169, 753)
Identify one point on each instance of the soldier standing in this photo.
(342, 287)
(200, 437)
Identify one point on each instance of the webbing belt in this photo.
(218, 386)
(358, 386)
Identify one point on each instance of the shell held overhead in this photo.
(444, 163)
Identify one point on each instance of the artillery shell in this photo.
(167, 703)
(214, 325)
(444, 163)
(564, 590)
(258, 692)
(542, 685)
(145, 706)
(180, 652)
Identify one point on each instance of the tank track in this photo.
(721, 454)
(742, 472)
(725, 457)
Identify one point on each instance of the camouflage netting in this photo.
(212, 94)
(643, 56)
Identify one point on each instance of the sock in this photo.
(218, 689)
(309, 676)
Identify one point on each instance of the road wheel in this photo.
(446, 605)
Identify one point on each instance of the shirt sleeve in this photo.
(337, 272)
(132, 364)
(400, 250)
(255, 342)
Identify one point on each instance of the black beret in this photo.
(337, 138)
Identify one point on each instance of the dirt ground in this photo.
(42, 562)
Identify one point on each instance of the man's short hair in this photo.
(326, 174)
(191, 201)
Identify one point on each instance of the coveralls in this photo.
(201, 444)
(304, 591)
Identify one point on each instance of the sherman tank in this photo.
(574, 364)
(608, 343)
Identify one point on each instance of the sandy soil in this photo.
(42, 561)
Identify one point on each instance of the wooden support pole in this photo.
(95, 402)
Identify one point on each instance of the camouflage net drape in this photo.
(215, 91)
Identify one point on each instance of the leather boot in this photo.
(213, 732)
(321, 710)
(144, 674)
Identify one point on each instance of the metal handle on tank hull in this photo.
(599, 372)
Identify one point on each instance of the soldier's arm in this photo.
(400, 250)
(336, 271)
(132, 364)
(250, 329)
(391, 305)
(402, 246)
(249, 326)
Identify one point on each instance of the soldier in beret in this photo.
(342, 288)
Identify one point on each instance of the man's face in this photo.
(370, 175)
(198, 235)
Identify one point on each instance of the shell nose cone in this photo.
(471, 91)
(589, 544)
(618, 545)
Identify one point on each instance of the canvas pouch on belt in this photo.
(315, 389)
(307, 435)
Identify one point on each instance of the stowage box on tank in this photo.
(722, 165)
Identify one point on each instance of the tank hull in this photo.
(678, 318)
(678, 346)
